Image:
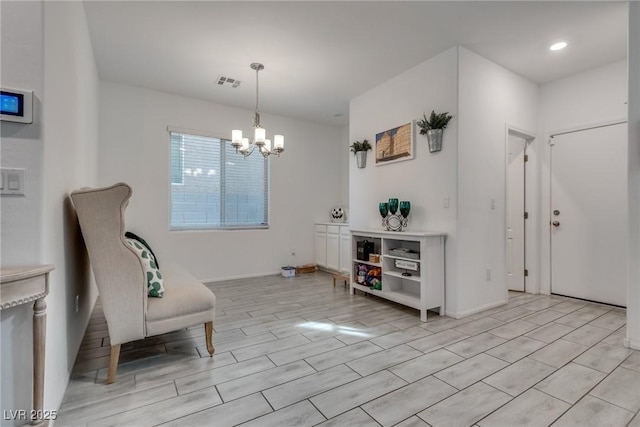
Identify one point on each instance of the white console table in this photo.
(21, 285)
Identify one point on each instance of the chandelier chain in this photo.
(246, 146)
(257, 91)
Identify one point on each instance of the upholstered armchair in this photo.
(122, 282)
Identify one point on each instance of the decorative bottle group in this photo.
(390, 220)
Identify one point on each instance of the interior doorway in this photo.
(516, 209)
(589, 213)
(516, 152)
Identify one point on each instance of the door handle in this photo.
(556, 223)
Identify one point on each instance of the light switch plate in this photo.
(12, 182)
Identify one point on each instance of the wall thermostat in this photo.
(16, 105)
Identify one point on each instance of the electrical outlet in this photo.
(488, 274)
(493, 203)
(293, 252)
(445, 203)
(77, 303)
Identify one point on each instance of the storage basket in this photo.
(404, 253)
(307, 268)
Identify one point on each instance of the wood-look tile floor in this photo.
(299, 352)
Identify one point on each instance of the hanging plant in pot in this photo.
(433, 128)
(359, 149)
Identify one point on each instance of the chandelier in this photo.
(246, 147)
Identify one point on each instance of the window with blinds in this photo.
(213, 187)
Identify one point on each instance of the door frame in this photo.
(545, 197)
(529, 249)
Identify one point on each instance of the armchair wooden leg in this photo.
(208, 332)
(113, 363)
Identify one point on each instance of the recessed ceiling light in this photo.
(558, 46)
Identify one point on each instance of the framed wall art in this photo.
(395, 145)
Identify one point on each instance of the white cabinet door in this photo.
(333, 251)
(321, 246)
(345, 252)
(333, 247)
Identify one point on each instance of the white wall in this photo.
(22, 57)
(305, 180)
(490, 97)
(590, 98)
(46, 47)
(70, 162)
(344, 167)
(470, 170)
(22, 68)
(633, 304)
(427, 179)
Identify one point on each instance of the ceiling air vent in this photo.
(222, 81)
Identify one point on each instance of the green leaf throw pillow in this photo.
(155, 287)
(133, 236)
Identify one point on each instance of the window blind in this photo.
(212, 187)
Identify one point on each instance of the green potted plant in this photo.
(359, 149)
(433, 128)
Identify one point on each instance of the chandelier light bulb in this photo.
(278, 141)
(260, 135)
(236, 136)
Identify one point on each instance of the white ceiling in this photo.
(318, 55)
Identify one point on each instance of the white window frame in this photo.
(181, 161)
(204, 227)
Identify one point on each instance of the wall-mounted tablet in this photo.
(16, 105)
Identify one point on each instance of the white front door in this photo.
(515, 213)
(589, 214)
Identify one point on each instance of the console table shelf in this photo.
(423, 289)
(400, 276)
(372, 264)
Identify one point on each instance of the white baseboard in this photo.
(242, 276)
(631, 344)
(60, 397)
(460, 315)
(330, 271)
(251, 276)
